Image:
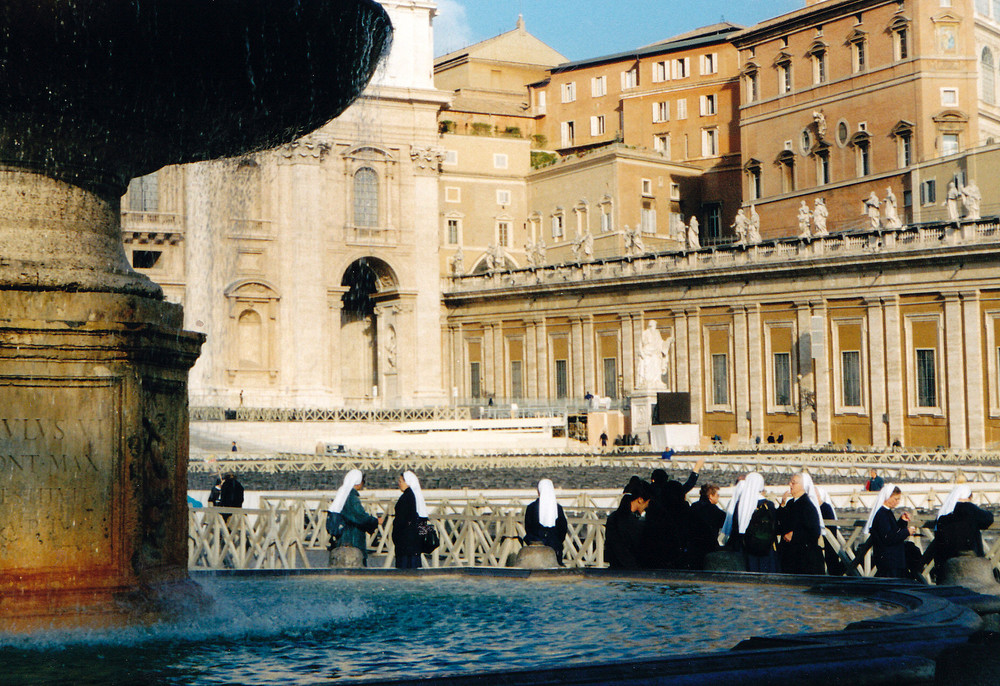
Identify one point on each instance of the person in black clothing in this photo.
(230, 493)
(889, 534)
(409, 510)
(799, 530)
(666, 531)
(770, 438)
(834, 565)
(545, 521)
(706, 518)
(623, 530)
(216, 493)
(958, 527)
(781, 438)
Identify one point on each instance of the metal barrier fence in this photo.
(474, 532)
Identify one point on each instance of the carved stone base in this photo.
(347, 557)
(641, 406)
(93, 458)
(536, 556)
(975, 573)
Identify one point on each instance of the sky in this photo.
(581, 29)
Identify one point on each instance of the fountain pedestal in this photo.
(93, 457)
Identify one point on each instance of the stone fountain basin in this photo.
(124, 87)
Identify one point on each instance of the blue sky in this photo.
(587, 28)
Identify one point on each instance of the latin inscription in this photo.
(56, 476)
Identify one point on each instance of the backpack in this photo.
(335, 526)
(427, 532)
(761, 531)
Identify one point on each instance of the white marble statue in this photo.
(972, 199)
(820, 120)
(741, 226)
(634, 245)
(588, 245)
(491, 263)
(951, 201)
(693, 239)
(458, 262)
(805, 219)
(872, 204)
(540, 255)
(653, 358)
(753, 234)
(891, 218)
(530, 257)
(820, 215)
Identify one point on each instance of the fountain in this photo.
(93, 363)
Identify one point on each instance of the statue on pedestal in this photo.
(820, 214)
(972, 199)
(871, 210)
(805, 218)
(951, 201)
(741, 226)
(693, 239)
(653, 356)
(753, 234)
(892, 220)
(633, 242)
(458, 262)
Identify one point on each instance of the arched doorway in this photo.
(368, 351)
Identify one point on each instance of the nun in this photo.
(834, 565)
(357, 522)
(756, 541)
(410, 509)
(545, 521)
(958, 526)
(888, 534)
(799, 523)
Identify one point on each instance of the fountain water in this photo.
(93, 364)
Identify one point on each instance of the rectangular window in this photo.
(503, 234)
(568, 133)
(661, 72)
(709, 143)
(607, 224)
(785, 77)
(850, 371)
(928, 192)
(902, 47)
(819, 67)
(597, 125)
(682, 68)
(647, 187)
(557, 226)
(713, 222)
(648, 218)
(503, 197)
(562, 380)
(144, 195)
(720, 379)
(753, 87)
(905, 150)
(708, 105)
(516, 384)
(782, 379)
(145, 259)
(858, 55)
(949, 144)
(926, 378)
(661, 144)
(709, 63)
(630, 78)
(599, 86)
(682, 108)
(661, 112)
(611, 377)
(451, 157)
(755, 181)
(823, 168)
(499, 161)
(453, 231)
(475, 382)
(949, 97)
(541, 102)
(569, 92)
(452, 194)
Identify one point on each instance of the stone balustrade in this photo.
(786, 251)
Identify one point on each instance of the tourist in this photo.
(604, 440)
(799, 528)
(545, 521)
(623, 530)
(230, 493)
(958, 527)
(410, 509)
(705, 520)
(356, 522)
(770, 437)
(752, 525)
(234, 448)
(888, 533)
(781, 438)
(875, 482)
(216, 492)
(666, 530)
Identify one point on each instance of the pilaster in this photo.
(876, 373)
(977, 406)
(956, 373)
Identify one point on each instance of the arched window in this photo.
(989, 76)
(366, 197)
(251, 340)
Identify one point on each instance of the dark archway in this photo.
(367, 281)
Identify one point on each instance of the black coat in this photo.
(404, 525)
(959, 532)
(231, 493)
(622, 535)
(801, 555)
(888, 535)
(552, 536)
(705, 520)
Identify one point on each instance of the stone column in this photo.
(807, 379)
(499, 360)
(488, 360)
(628, 353)
(977, 405)
(894, 400)
(876, 373)
(542, 353)
(695, 357)
(757, 385)
(335, 305)
(955, 377)
(824, 390)
(589, 355)
(531, 358)
(681, 351)
(576, 352)
(741, 373)
(457, 366)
